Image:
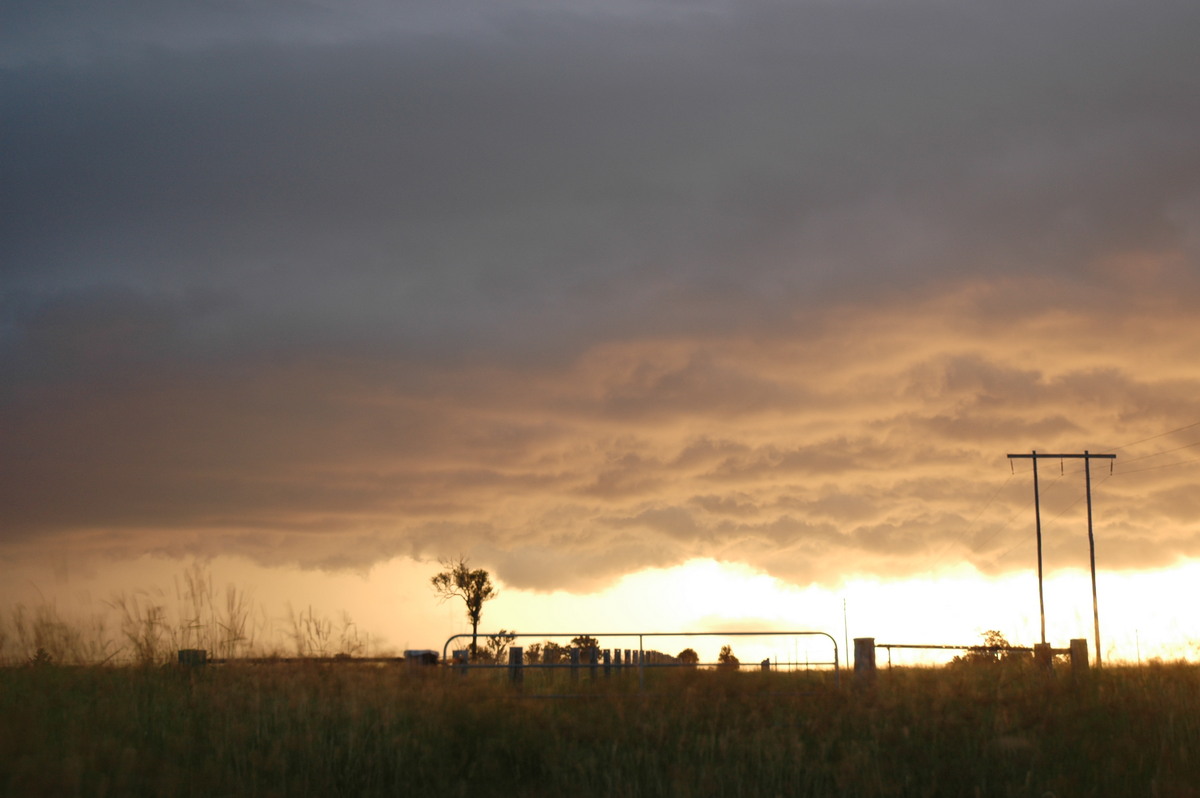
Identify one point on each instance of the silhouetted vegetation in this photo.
(726, 660)
(312, 729)
(585, 642)
(553, 653)
(994, 650)
(992, 724)
(149, 626)
(473, 586)
(496, 647)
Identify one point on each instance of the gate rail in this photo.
(976, 647)
(641, 664)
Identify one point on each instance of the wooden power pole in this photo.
(1087, 458)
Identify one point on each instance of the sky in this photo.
(619, 300)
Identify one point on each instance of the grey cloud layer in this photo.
(597, 174)
(629, 281)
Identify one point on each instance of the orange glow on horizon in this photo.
(391, 606)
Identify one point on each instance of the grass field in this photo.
(307, 729)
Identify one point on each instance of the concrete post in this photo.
(574, 663)
(1043, 656)
(607, 663)
(1079, 658)
(864, 660)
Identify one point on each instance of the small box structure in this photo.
(191, 657)
(421, 656)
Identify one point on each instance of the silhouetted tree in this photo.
(584, 642)
(497, 645)
(553, 653)
(991, 651)
(474, 587)
(726, 660)
(689, 657)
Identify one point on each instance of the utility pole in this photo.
(845, 631)
(1087, 458)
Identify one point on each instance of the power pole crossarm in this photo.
(1079, 456)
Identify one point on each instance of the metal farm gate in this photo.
(595, 661)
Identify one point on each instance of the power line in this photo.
(1159, 435)
(1057, 516)
(1051, 487)
(1013, 516)
(1157, 467)
(1164, 451)
(958, 538)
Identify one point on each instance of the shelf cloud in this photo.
(588, 289)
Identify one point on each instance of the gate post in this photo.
(1079, 657)
(1043, 656)
(516, 661)
(864, 661)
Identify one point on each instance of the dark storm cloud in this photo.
(589, 173)
(622, 283)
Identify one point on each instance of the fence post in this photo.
(864, 661)
(1079, 657)
(607, 663)
(575, 663)
(461, 657)
(516, 661)
(593, 661)
(1043, 656)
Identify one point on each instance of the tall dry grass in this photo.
(318, 729)
(148, 626)
(44, 632)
